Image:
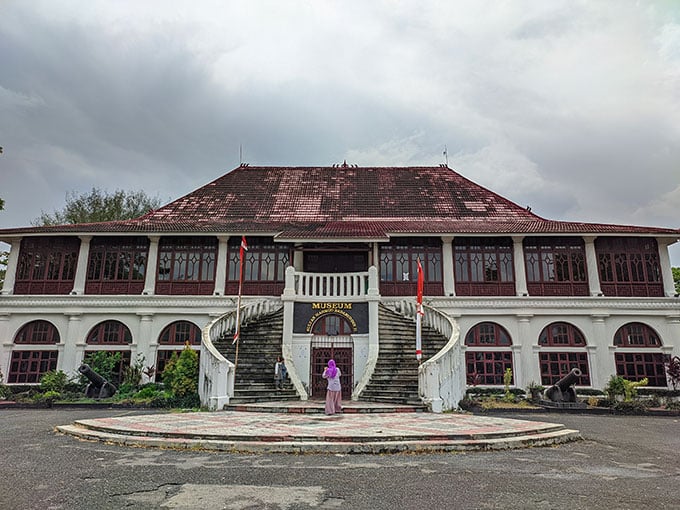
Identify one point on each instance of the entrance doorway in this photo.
(331, 340)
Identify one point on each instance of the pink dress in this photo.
(333, 393)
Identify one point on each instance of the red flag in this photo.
(421, 285)
(244, 247)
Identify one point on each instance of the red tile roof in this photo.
(343, 202)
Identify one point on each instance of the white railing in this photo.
(216, 373)
(441, 379)
(330, 285)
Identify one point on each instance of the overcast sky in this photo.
(571, 107)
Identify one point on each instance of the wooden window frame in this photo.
(556, 266)
(629, 266)
(172, 334)
(258, 250)
(47, 265)
(399, 266)
(117, 265)
(103, 331)
(186, 266)
(484, 266)
(26, 367)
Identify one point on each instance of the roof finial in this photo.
(344, 163)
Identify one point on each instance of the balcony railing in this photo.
(331, 285)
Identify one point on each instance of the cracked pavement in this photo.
(624, 462)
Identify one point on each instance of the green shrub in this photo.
(103, 363)
(133, 373)
(181, 373)
(54, 380)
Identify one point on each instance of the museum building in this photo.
(328, 248)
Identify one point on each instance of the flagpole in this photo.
(237, 334)
(419, 312)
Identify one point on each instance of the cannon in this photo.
(563, 390)
(98, 387)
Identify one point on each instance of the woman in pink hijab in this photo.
(333, 393)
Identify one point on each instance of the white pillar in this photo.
(6, 343)
(81, 266)
(145, 339)
(524, 353)
(601, 358)
(221, 265)
(298, 259)
(665, 264)
(12, 265)
(69, 359)
(151, 267)
(591, 265)
(520, 268)
(447, 266)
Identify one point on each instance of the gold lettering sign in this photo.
(331, 306)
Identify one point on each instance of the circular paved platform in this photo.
(297, 432)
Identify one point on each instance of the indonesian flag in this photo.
(421, 285)
(419, 311)
(244, 248)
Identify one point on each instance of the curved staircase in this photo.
(395, 378)
(258, 348)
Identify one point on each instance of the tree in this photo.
(98, 205)
(676, 278)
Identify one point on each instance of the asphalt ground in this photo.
(623, 462)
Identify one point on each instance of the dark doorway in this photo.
(343, 357)
(335, 261)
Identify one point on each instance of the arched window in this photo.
(636, 334)
(487, 357)
(179, 333)
(332, 324)
(176, 334)
(561, 334)
(636, 366)
(27, 366)
(488, 334)
(556, 363)
(109, 333)
(37, 332)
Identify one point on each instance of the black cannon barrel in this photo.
(571, 378)
(92, 376)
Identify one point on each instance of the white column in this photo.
(12, 265)
(5, 344)
(376, 255)
(145, 339)
(591, 265)
(601, 358)
(520, 269)
(447, 266)
(298, 259)
(665, 264)
(151, 267)
(525, 353)
(221, 265)
(69, 360)
(81, 266)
